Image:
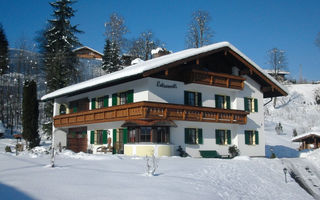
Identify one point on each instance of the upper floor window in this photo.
(251, 137)
(193, 136)
(192, 98)
(250, 104)
(79, 105)
(100, 102)
(122, 98)
(222, 101)
(223, 137)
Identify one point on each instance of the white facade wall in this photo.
(147, 89)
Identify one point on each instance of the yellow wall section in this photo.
(128, 150)
(144, 150)
(164, 151)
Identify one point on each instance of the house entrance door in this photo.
(119, 139)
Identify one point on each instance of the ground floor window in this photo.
(251, 137)
(98, 137)
(193, 136)
(158, 135)
(223, 137)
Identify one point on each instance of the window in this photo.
(157, 135)
(193, 136)
(192, 98)
(145, 134)
(63, 109)
(222, 101)
(251, 137)
(122, 98)
(100, 102)
(79, 105)
(250, 104)
(223, 137)
(98, 137)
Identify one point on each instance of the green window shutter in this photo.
(199, 96)
(114, 99)
(246, 137)
(130, 96)
(228, 102)
(105, 101)
(218, 105)
(104, 137)
(229, 136)
(93, 103)
(246, 104)
(200, 138)
(92, 137)
(186, 98)
(125, 136)
(75, 108)
(217, 137)
(114, 140)
(257, 137)
(255, 105)
(186, 136)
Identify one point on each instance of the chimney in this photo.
(159, 52)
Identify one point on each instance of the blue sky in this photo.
(254, 27)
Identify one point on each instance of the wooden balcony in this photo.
(216, 79)
(151, 111)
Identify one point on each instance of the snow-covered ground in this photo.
(86, 176)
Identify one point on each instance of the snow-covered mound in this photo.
(297, 111)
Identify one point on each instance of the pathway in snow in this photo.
(306, 174)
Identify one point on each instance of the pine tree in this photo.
(30, 113)
(111, 60)
(59, 59)
(3, 51)
(3, 67)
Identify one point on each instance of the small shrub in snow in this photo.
(8, 149)
(294, 133)
(233, 151)
(279, 129)
(151, 167)
(317, 96)
(19, 147)
(182, 153)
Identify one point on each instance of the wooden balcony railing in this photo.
(216, 79)
(152, 111)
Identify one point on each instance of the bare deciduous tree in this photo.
(116, 29)
(199, 32)
(142, 46)
(277, 61)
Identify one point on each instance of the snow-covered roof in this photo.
(152, 64)
(86, 47)
(305, 135)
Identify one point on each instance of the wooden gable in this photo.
(218, 66)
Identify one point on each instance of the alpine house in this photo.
(202, 99)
